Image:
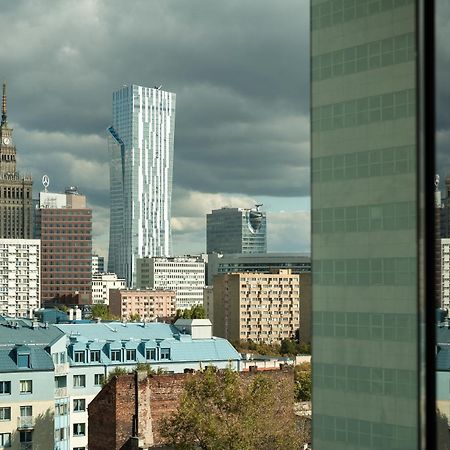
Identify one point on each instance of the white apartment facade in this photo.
(19, 277)
(445, 273)
(185, 275)
(102, 283)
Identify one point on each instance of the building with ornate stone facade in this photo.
(15, 189)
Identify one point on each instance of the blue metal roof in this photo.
(22, 331)
(117, 335)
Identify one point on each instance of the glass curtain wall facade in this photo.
(140, 141)
(364, 225)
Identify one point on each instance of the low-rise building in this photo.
(146, 305)
(20, 279)
(101, 285)
(185, 275)
(50, 373)
(263, 307)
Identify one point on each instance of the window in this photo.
(79, 429)
(79, 404)
(131, 355)
(5, 413)
(26, 411)
(26, 386)
(26, 436)
(165, 353)
(61, 409)
(5, 439)
(95, 355)
(79, 381)
(79, 357)
(115, 355)
(79, 448)
(23, 360)
(5, 387)
(61, 434)
(98, 379)
(150, 353)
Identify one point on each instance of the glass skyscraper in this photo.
(365, 219)
(236, 230)
(140, 142)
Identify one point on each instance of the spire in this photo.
(4, 104)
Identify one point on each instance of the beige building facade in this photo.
(263, 307)
(149, 305)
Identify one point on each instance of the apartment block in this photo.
(185, 275)
(261, 307)
(101, 285)
(445, 273)
(20, 263)
(148, 305)
(98, 264)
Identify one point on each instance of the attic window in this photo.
(165, 353)
(23, 360)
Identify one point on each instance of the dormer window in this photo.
(165, 353)
(23, 358)
(95, 355)
(150, 353)
(79, 357)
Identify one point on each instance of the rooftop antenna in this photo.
(158, 87)
(4, 104)
(45, 182)
(258, 205)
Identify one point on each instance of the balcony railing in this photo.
(60, 392)
(26, 446)
(25, 422)
(61, 369)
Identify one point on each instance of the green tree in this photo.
(288, 347)
(221, 411)
(101, 311)
(135, 317)
(302, 379)
(195, 312)
(117, 371)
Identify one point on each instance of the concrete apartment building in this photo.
(445, 273)
(148, 304)
(185, 275)
(50, 374)
(98, 264)
(256, 263)
(101, 285)
(63, 222)
(19, 277)
(263, 307)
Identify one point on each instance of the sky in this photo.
(239, 68)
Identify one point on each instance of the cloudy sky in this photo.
(240, 72)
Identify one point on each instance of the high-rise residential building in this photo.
(141, 140)
(142, 304)
(368, 222)
(98, 264)
(185, 275)
(15, 188)
(63, 222)
(102, 283)
(236, 230)
(19, 277)
(445, 273)
(258, 263)
(263, 307)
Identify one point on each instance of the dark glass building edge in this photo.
(425, 129)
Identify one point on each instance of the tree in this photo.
(222, 411)
(135, 317)
(288, 347)
(195, 312)
(302, 379)
(101, 311)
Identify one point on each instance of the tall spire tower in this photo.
(15, 189)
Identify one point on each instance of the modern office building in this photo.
(261, 307)
(20, 264)
(98, 264)
(236, 230)
(368, 210)
(141, 140)
(258, 263)
(185, 275)
(102, 283)
(142, 305)
(15, 188)
(63, 223)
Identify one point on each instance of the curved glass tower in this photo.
(140, 142)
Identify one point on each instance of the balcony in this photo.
(25, 423)
(26, 446)
(61, 369)
(61, 392)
